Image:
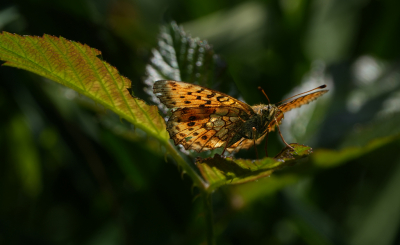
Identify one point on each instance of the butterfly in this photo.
(204, 119)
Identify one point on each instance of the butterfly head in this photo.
(268, 112)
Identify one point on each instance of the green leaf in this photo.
(218, 171)
(180, 57)
(191, 59)
(79, 67)
(332, 158)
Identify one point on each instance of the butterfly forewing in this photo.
(175, 94)
(302, 100)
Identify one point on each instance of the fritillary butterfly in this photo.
(204, 119)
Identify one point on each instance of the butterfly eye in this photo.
(265, 112)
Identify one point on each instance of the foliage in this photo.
(80, 68)
(73, 172)
(218, 171)
(77, 66)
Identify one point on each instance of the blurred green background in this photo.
(74, 173)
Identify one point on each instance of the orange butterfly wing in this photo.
(203, 119)
(175, 94)
(302, 100)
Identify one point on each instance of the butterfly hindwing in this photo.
(203, 129)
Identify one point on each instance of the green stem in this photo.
(204, 189)
(196, 178)
(207, 199)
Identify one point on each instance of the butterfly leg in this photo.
(254, 138)
(228, 141)
(226, 146)
(266, 144)
(279, 130)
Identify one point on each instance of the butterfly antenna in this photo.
(320, 87)
(262, 90)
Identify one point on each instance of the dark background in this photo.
(73, 173)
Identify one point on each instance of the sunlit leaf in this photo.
(79, 67)
(220, 171)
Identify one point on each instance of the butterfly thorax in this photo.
(264, 114)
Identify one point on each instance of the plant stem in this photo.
(204, 189)
(207, 199)
(196, 178)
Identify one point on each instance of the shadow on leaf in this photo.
(218, 171)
